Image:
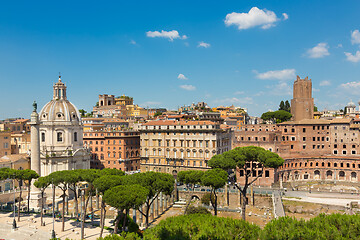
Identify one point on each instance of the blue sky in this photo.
(245, 53)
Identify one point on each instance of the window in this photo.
(344, 152)
(267, 173)
(75, 137)
(59, 137)
(353, 152)
(43, 137)
(335, 152)
(304, 129)
(304, 138)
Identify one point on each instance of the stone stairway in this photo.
(180, 204)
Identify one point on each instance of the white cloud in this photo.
(234, 100)
(353, 58)
(285, 74)
(255, 17)
(239, 92)
(350, 85)
(182, 77)
(188, 87)
(204, 44)
(325, 83)
(339, 45)
(171, 35)
(150, 103)
(319, 51)
(286, 17)
(316, 90)
(133, 42)
(355, 37)
(350, 88)
(280, 89)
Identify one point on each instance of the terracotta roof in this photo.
(21, 120)
(306, 122)
(173, 122)
(14, 157)
(114, 120)
(341, 120)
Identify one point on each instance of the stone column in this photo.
(161, 203)
(165, 201)
(35, 195)
(97, 199)
(141, 224)
(134, 215)
(67, 205)
(157, 207)
(152, 211)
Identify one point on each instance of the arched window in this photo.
(42, 137)
(75, 137)
(59, 137)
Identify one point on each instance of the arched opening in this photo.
(353, 176)
(341, 175)
(317, 175)
(329, 175)
(296, 175)
(59, 137)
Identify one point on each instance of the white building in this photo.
(61, 135)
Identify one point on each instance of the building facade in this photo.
(171, 146)
(118, 149)
(60, 134)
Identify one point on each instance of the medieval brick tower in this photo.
(302, 104)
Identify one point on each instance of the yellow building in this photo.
(124, 100)
(14, 161)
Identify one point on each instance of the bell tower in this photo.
(302, 104)
(59, 90)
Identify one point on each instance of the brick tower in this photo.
(302, 104)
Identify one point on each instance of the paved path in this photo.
(29, 229)
(277, 204)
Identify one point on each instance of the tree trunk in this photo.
(28, 200)
(117, 219)
(125, 218)
(76, 203)
(215, 204)
(84, 216)
(243, 207)
(19, 204)
(42, 208)
(147, 215)
(63, 212)
(102, 217)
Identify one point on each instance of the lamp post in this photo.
(82, 212)
(14, 221)
(53, 235)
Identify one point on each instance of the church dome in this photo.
(351, 104)
(59, 108)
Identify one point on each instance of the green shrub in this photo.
(196, 210)
(122, 236)
(206, 198)
(202, 226)
(132, 226)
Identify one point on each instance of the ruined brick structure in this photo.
(302, 104)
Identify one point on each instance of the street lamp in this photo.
(14, 221)
(53, 235)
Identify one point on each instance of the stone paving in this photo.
(29, 228)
